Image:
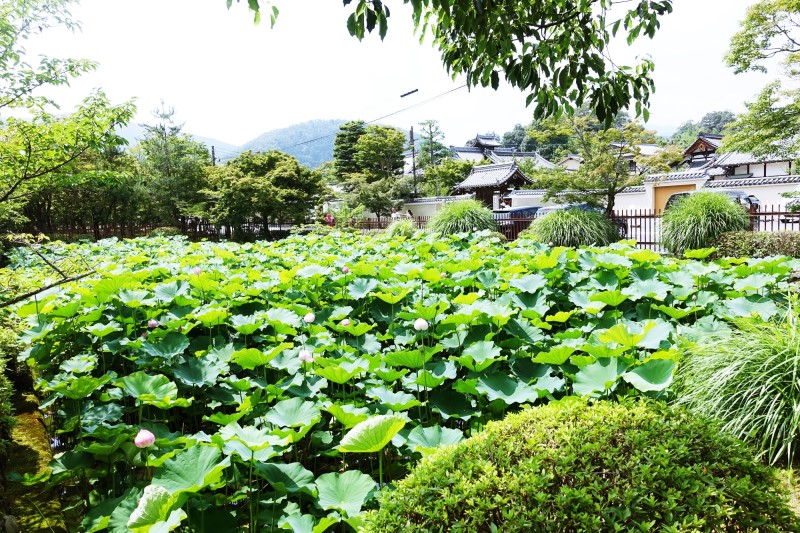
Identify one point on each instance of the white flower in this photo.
(309, 318)
(421, 324)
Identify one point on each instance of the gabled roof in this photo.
(705, 142)
(492, 176)
(507, 155)
(467, 153)
(487, 140)
(732, 159)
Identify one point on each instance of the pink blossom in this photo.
(345, 270)
(694, 297)
(421, 324)
(550, 244)
(152, 323)
(443, 275)
(144, 438)
(144, 335)
(309, 318)
(345, 322)
(305, 356)
(197, 271)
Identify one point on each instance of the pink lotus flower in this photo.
(345, 270)
(152, 323)
(421, 324)
(443, 275)
(305, 356)
(144, 438)
(550, 244)
(309, 318)
(197, 271)
(345, 322)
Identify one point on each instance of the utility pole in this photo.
(213, 157)
(413, 159)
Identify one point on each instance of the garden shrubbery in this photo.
(758, 244)
(461, 217)
(573, 227)
(404, 227)
(699, 219)
(570, 466)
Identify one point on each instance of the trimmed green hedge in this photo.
(758, 244)
(569, 466)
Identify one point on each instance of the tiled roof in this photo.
(506, 155)
(490, 175)
(488, 140)
(438, 199)
(711, 138)
(527, 192)
(732, 159)
(692, 174)
(636, 189)
(751, 182)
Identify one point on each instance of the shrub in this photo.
(699, 219)
(569, 466)
(319, 229)
(748, 378)
(573, 227)
(404, 227)
(758, 244)
(462, 216)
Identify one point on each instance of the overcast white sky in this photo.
(231, 80)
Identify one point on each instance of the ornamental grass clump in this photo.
(573, 227)
(570, 466)
(749, 378)
(403, 227)
(699, 219)
(462, 217)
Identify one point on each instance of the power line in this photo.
(384, 116)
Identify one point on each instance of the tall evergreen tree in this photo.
(344, 147)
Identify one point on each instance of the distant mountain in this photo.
(310, 142)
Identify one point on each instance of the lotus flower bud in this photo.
(345, 322)
(550, 244)
(305, 356)
(144, 438)
(309, 318)
(152, 323)
(421, 324)
(345, 270)
(443, 275)
(197, 271)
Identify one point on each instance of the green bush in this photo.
(749, 378)
(404, 227)
(758, 244)
(164, 231)
(319, 229)
(573, 227)
(698, 220)
(461, 217)
(569, 466)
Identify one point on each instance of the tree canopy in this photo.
(555, 50)
(771, 124)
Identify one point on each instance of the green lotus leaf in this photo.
(346, 492)
(342, 372)
(392, 297)
(396, 401)
(497, 386)
(600, 377)
(246, 324)
(610, 260)
(410, 358)
(100, 329)
(287, 478)
(98, 518)
(621, 336)
(251, 358)
(480, 355)
(155, 390)
(748, 306)
(676, 313)
(251, 437)
(347, 414)
(283, 320)
(530, 283)
(372, 434)
(304, 523)
(558, 355)
(155, 506)
(78, 387)
(598, 351)
(700, 253)
(167, 292)
(560, 317)
(191, 470)
(754, 282)
(171, 345)
(426, 439)
(435, 374)
(360, 288)
(652, 375)
(612, 298)
(135, 299)
(79, 364)
(199, 371)
(211, 315)
(650, 288)
(294, 412)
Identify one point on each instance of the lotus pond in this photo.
(281, 386)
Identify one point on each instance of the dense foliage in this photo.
(697, 220)
(281, 381)
(758, 244)
(404, 227)
(569, 466)
(573, 227)
(463, 216)
(748, 378)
